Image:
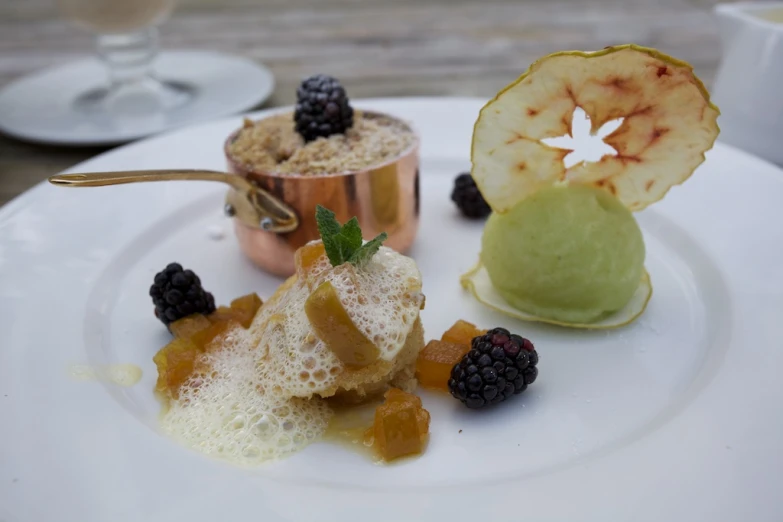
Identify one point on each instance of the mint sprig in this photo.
(343, 243)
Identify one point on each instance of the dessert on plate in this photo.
(256, 380)
(562, 245)
(324, 152)
(250, 382)
(347, 323)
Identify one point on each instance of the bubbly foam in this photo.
(383, 298)
(255, 397)
(226, 412)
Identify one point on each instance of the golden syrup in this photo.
(351, 427)
(120, 374)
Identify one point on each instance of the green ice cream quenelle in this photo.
(572, 254)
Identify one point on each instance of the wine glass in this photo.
(117, 96)
(126, 38)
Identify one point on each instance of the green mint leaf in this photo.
(343, 249)
(326, 221)
(346, 242)
(333, 250)
(329, 228)
(367, 250)
(340, 242)
(352, 234)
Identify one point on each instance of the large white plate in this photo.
(676, 417)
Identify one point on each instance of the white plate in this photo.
(676, 417)
(40, 107)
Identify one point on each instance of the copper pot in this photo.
(274, 214)
(384, 198)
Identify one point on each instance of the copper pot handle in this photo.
(249, 203)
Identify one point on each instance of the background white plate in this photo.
(676, 417)
(40, 108)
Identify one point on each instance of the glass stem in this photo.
(128, 57)
(133, 90)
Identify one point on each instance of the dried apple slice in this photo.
(668, 125)
(477, 281)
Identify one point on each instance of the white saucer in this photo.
(40, 107)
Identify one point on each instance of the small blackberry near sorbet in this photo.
(468, 198)
(499, 364)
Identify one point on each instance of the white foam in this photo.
(226, 412)
(255, 397)
(383, 298)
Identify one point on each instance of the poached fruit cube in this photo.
(336, 329)
(435, 362)
(224, 314)
(188, 326)
(179, 359)
(249, 304)
(194, 335)
(462, 332)
(400, 426)
(307, 256)
(175, 362)
(203, 338)
(242, 310)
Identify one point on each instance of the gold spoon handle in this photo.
(102, 179)
(249, 203)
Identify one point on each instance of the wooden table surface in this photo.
(376, 47)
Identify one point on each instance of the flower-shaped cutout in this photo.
(668, 123)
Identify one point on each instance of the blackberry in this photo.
(178, 293)
(322, 108)
(468, 198)
(498, 365)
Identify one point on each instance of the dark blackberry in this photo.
(468, 198)
(178, 293)
(498, 365)
(322, 108)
